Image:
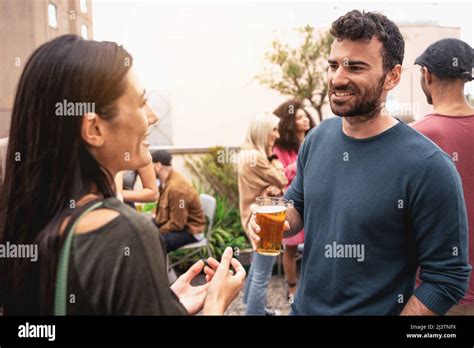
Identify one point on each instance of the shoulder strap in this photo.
(60, 293)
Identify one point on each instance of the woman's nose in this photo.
(153, 118)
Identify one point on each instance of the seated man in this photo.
(179, 217)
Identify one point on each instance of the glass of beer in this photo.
(270, 214)
(139, 207)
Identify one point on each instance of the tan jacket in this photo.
(256, 174)
(179, 207)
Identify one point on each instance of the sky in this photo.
(203, 56)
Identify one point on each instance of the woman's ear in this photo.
(92, 130)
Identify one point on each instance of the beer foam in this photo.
(271, 209)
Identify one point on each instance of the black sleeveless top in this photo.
(119, 268)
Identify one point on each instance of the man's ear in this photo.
(158, 166)
(426, 75)
(393, 77)
(92, 130)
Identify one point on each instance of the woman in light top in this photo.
(260, 173)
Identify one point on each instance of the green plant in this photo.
(149, 207)
(218, 178)
(216, 172)
(300, 72)
(227, 229)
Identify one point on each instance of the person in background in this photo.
(295, 123)
(446, 66)
(179, 216)
(260, 173)
(62, 193)
(125, 183)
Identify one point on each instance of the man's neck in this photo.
(359, 127)
(164, 176)
(454, 105)
(449, 99)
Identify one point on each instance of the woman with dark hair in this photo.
(80, 116)
(295, 123)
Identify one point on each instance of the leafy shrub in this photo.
(219, 179)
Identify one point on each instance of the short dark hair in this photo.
(356, 25)
(162, 156)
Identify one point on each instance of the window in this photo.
(52, 15)
(84, 31)
(83, 6)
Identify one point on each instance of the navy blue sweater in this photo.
(374, 210)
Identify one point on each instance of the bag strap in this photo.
(60, 293)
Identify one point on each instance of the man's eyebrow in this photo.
(350, 62)
(357, 62)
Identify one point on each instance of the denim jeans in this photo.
(176, 239)
(255, 292)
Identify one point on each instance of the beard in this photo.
(363, 104)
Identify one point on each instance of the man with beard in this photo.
(446, 66)
(377, 198)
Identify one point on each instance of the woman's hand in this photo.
(224, 285)
(192, 297)
(272, 191)
(211, 268)
(277, 164)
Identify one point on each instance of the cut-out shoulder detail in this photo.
(95, 219)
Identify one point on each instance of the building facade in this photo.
(25, 25)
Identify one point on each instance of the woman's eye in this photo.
(144, 102)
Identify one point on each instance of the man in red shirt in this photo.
(446, 66)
